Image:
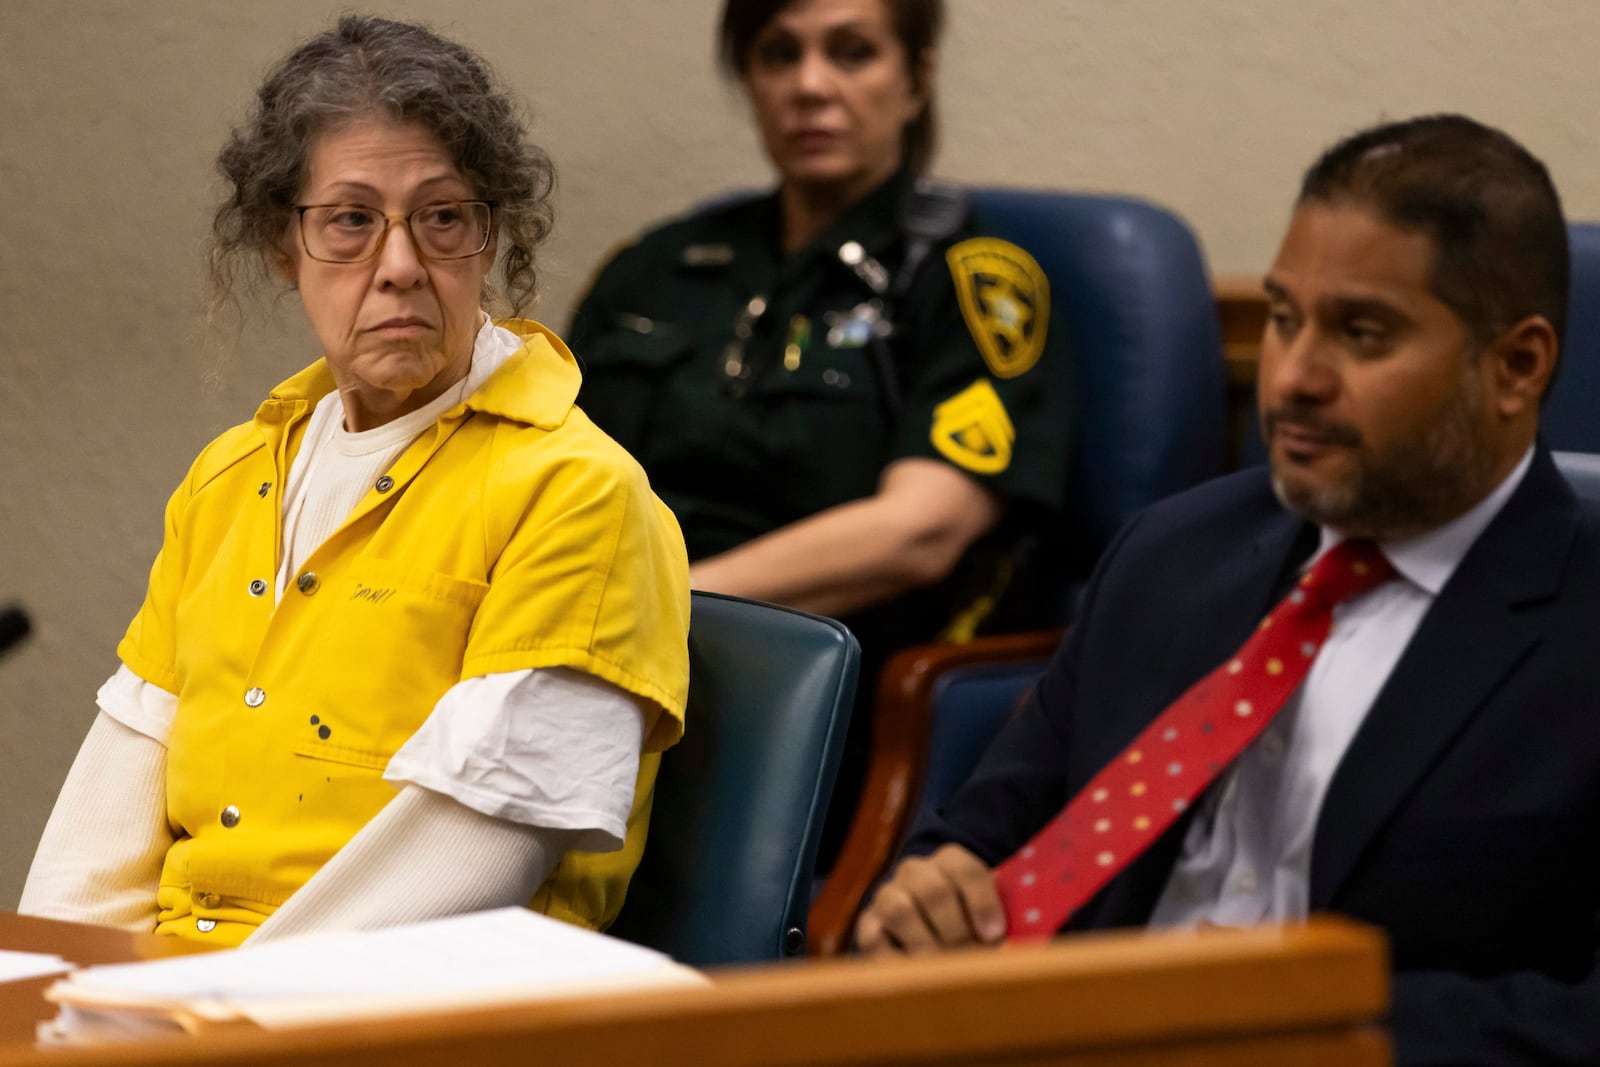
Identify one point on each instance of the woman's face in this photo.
(833, 90)
(397, 329)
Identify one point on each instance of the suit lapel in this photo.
(1469, 641)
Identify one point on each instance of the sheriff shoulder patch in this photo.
(972, 429)
(1005, 299)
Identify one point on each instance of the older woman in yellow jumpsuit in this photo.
(417, 629)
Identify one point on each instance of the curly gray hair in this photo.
(369, 66)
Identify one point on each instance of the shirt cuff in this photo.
(137, 704)
(551, 747)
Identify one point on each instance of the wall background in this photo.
(114, 111)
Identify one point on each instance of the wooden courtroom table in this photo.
(1308, 995)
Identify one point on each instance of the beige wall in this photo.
(113, 111)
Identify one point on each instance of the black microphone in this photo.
(14, 626)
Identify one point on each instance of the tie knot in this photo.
(1347, 570)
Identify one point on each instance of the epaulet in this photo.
(930, 213)
(713, 230)
(933, 210)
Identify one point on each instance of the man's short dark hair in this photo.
(1486, 202)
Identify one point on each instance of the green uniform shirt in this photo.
(747, 384)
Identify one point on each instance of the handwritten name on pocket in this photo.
(371, 593)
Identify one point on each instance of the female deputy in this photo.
(417, 630)
(848, 396)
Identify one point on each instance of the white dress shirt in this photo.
(1247, 855)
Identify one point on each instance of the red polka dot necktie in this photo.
(1127, 806)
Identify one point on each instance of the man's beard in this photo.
(1419, 485)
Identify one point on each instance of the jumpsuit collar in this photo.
(537, 384)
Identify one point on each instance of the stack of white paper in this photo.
(15, 966)
(488, 958)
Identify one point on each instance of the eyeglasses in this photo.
(350, 233)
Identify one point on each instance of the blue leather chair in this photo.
(1128, 283)
(966, 709)
(1571, 416)
(1582, 471)
(726, 874)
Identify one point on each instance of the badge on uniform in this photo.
(1005, 299)
(854, 328)
(972, 429)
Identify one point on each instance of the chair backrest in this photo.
(1128, 283)
(966, 709)
(1582, 471)
(739, 802)
(1571, 416)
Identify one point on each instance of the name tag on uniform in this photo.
(707, 255)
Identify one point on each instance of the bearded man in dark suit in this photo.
(1437, 771)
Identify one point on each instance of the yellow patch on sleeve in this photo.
(972, 429)
(1005, 300)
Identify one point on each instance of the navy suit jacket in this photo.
(1465, 817)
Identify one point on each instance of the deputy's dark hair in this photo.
(917, 24)
(404, 72)
(1486, 202)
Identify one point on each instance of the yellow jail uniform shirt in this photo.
(511, 535)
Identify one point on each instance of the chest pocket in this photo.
(826, 424)
(625, 374)
(391, 642)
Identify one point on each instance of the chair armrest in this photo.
(901, 718)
